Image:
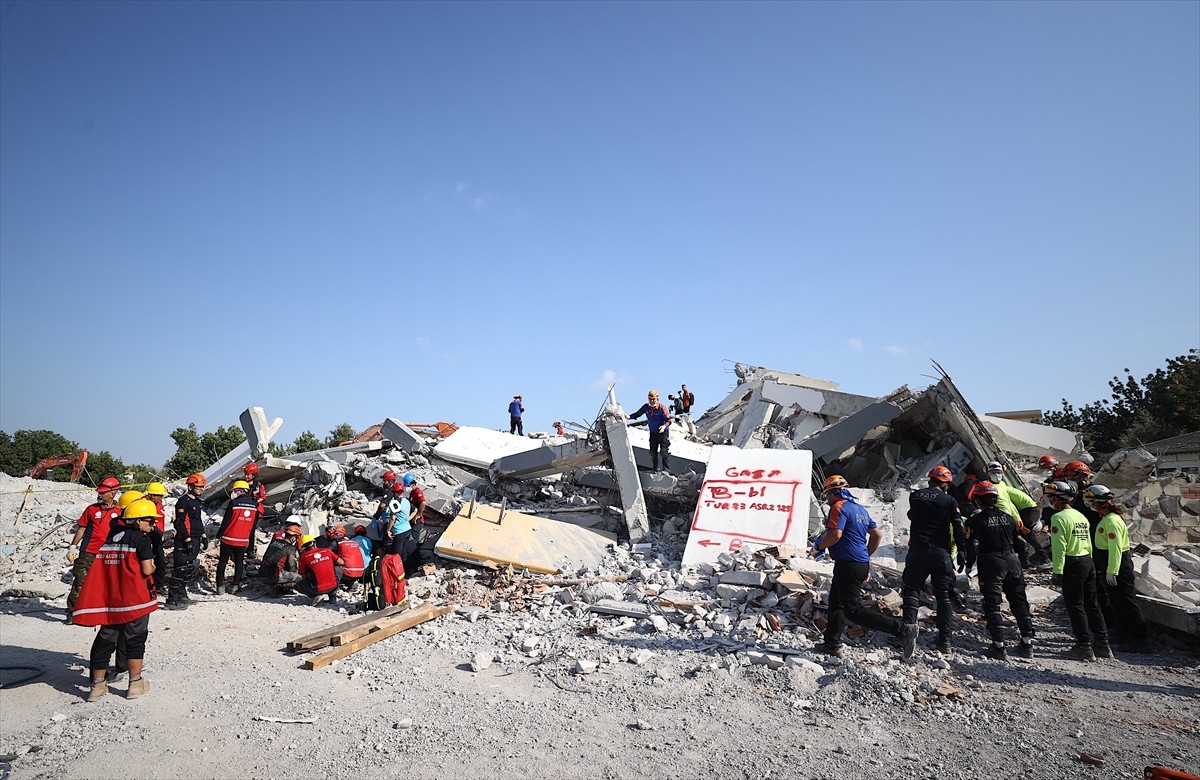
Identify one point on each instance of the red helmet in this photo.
(360, 529)
(389, 477)
(251, 470)
(108, 485)
(984, 488)
(198, 480)
(398, 489)
(335, 532)
(941, 474)
(1077, 468)
(1047, 462)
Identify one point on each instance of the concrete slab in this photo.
(479, 447)
(1017, 437)
(547, 460)
(229, 467)
(750, 499)
(836, 438)
(402, 436)
(625, 471)
(750, 433)
(686, 456)
(1165, 613)
(524, 541)
(827, 403)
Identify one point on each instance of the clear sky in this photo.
(347, 211)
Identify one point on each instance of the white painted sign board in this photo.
(750, 499)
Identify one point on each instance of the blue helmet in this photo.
(409, 479)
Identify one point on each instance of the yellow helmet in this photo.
(241, 484)
(128, 497)
(143, 507)
(307, 539)
(156, 489)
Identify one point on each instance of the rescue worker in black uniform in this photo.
(190, 539)
(934, 524)
(993, 535)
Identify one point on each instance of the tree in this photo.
(100, 465)
(340, 434)
(1164, 404)
(306, 442)
(21, 451)
(195, 451)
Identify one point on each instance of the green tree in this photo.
(195, 451)
(306, 442)
(100, 465)
(1166, 403)
(21, 451)
(340, 434)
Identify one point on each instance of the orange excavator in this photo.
(78, 460)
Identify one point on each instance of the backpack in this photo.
(384, 584)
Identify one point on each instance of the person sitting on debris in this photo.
(236, 528)
(659, 421)
(992, 534)
(90, 532)
(190, 539)
(851, 537)
(1075, 573)
(156, 492)
(935, 526)
(281, 560)
(1115, 565)
(515, 410)
(259, 493)
(1024, 511)
(353, 562)
(116, 596)
(364, 542)
(320, 571)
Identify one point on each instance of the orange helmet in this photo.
(1077, 468)
(941, 474)
(389, 476)
(108, 485)
(984, 488)
(835, 482)
(335, 532)
(197, 480)
(251, 470)
(1047, 462)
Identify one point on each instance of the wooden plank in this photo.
(346, 637)
(321, 638)
(413, 618)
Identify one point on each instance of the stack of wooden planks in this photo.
(353, 635)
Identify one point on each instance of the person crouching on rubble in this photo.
(1075, 573)
(1115, 568)
(281, 560)
(320, 571)
(237, 528)
(851, 537)
(353, 561)
(116, 596)
(364, 542)
(993, 535)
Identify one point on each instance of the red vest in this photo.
(395, 586)
(97, 520)
(115, 590)
(320, 562)
(242, 513)
(160, 519)
(351, 554)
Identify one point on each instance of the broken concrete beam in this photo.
(754, 579)
(1165, 613)
(629, 485)
(1185, 560)
(547, 460)
(620, 608)
(339, 455)
(1018, 437)
(402, 436)
(686, 456)
(814, 401)
(750, 432)
(258, 430)
(480, 447)
(837, 438)
(228, 468)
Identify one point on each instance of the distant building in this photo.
(1178, 453)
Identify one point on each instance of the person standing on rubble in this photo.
(1075, 573)
(259, 493)
(935, 526)
(190, 539)
(235, 534)
(90, 532)
(676, 404)
(851, 537)
(659, 420)
(1114, 567)
(1079, 475)
(395, 529)
(1024, 510)
(687, 399)
(156, 492)
(515, 410)
(992, 534)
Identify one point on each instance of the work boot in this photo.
(220, 590)
(828, 649)
(1025, 650)
(98, 690)
(1103, 650)
(943, 645)
(908, 639)
(137, 688)
(1081, 652)
(996, 653)
(320, 598)
(175, 605)
(956, 598)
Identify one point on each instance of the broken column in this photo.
(629, 485)
(758, 414)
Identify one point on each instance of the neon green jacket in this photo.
(1113, 535)
(1011, 501)
(1070, 536)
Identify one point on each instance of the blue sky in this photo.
(348, 211)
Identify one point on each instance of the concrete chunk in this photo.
(849, 431)
(755, 579)
(633, 503)
(547, 460)
(402, 436)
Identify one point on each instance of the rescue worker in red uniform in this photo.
(156, 492)
(116, 596)
(90, 533)
(259, 494)
(190, 539)
(236, 529)
(353, 562)
(320, 571)
(281, 560)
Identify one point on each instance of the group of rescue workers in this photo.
(119, 564)
(992, 526)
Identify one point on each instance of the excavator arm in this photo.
(78, 460)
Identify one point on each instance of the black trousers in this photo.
(183, 568)
(235, 554)
(845, 603)
(933, 564)
(405, 545)
(515, 425)
(1127, 615)
(127, 639)
(308, 584)
(1000, 576)
(660, 441)
(1079, 596)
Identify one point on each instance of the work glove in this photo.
(662, 428)
(1111, 579)
(72, 553)
(817, 552)
(962, 562)
(1056, 580)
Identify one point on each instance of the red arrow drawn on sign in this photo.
(708, 542)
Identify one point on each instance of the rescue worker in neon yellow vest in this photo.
(1115, 568)
(1075, 573)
